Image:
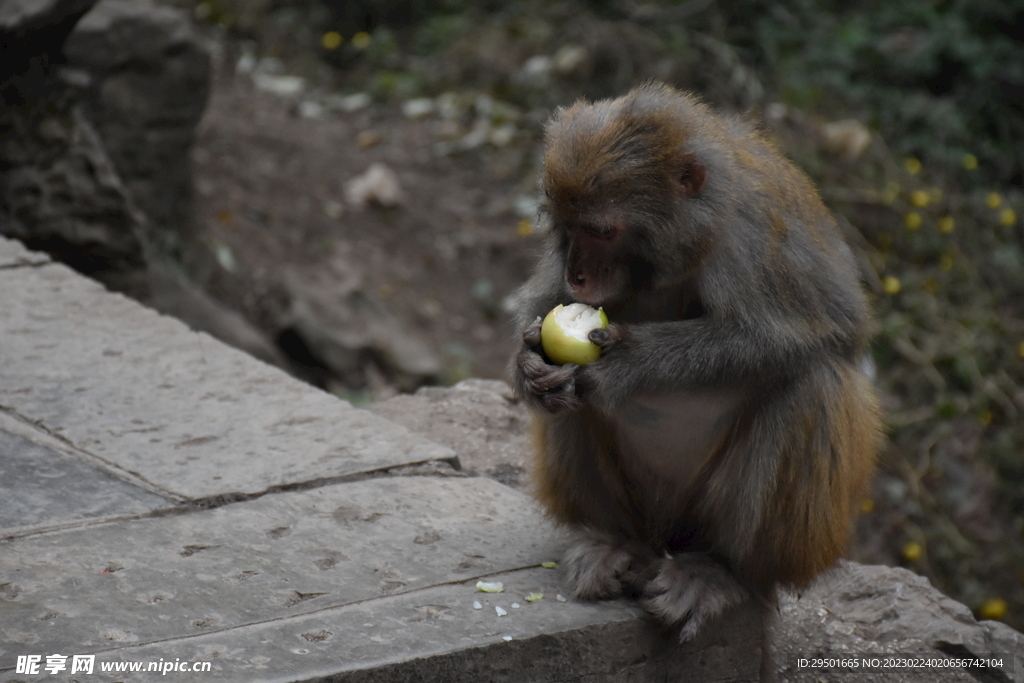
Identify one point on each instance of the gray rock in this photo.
(885, 611)
(344, 326)
(149, 78)
(13, 254)
(59, 191)
(479, 419)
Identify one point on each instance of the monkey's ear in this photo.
(690, 175)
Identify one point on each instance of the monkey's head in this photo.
(629, 191)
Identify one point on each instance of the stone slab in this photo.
(13, 254)
(435, 635)
(185, 413)
(278, 556)
(41, 486)
(360, 581)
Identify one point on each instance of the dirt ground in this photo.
(269, 197)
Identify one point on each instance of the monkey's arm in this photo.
(701, 352)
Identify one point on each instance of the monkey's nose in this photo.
(577, 279)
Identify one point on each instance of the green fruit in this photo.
(563, 334)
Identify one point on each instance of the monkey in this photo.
(720, 445)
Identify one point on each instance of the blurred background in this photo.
(346, 189)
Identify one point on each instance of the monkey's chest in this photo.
(665, 442)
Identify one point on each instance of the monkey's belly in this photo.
(665, 440)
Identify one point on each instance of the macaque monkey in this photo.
(721, 444)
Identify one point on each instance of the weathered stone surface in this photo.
(58, 189)
(43, 487)
(344, 325)
(149, 78)
(281, 555)
(435, 635)
(187, 414)
(479, 419)
(13, 254)
(857, 609)
(361, 580)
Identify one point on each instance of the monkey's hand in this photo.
(689, 590)
(540, 384)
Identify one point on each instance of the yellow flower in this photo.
(970, 162)
(920, 198)
(912, 220)
(946, 262)
(946, 225)
(331, 40)
(993, 200)
(867, 505)
(525, 228)
(361, 40)
(1008, 217)
(913, 165)
(993, 609)
(891, 285)
(985, 417)
(912, 551)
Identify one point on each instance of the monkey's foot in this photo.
(594, 568)
(689, 590)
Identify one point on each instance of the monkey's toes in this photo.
(689, 591)
(593, 569)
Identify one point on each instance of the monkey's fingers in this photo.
(540, 375)
(531, 335)
(606, 337)
(555, 378)
(689, 590)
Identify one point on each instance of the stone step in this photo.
(167, 499)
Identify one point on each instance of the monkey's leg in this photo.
(689, 590)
